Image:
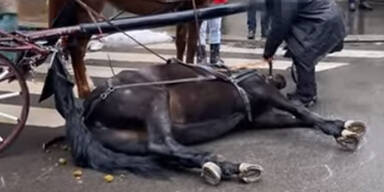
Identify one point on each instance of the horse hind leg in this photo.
(77, 51)
(161, 142)
(193, 32)
(181, 36)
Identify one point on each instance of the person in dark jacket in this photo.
(311, 29)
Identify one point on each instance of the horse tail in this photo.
(86, 150)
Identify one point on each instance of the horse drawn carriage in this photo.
(247, 99)
(33, 50)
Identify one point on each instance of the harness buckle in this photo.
(107, 92)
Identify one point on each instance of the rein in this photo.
(112, 88)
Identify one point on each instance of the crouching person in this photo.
(311, 30)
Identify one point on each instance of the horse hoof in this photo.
(211, 173)
(250, 173)
(351, 135)
(357, 127)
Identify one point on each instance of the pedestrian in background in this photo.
(8, 21)
(8, 15)
(363, 4)
(265, 20)
(213, 28)
(311, 29)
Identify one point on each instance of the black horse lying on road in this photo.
(141, 120)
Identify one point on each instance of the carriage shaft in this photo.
(143, 22)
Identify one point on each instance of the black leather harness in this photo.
(214, 74)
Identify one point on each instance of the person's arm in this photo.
(283, 14)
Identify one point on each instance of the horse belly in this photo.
(141, 7)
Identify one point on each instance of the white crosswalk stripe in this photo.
(143, 57)
(48, 117)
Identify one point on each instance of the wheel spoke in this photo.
(9, 95)
(1, 139)
(7, 116)
(4, 73)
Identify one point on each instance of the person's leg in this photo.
(365, 5)
(9, 23)
(352, 5)
(201, 53)
(215, 40)
(265, 23)
(251, 21)
(306, 88)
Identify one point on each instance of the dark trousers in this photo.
(306, 80)
(354, 1)
(252, 22)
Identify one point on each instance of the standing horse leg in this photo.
(181, 36)
(347, 133)
(77, 50)
(193, 32)
(161, 142)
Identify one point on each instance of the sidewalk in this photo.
(364, 38)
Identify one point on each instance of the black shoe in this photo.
(251, 34)
(214, 58)
(302, 100)
(365, 6)
(352, 7)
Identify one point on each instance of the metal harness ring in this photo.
(107, 92)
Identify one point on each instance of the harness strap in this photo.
(112, 88)
(234, 80)
(228, 78)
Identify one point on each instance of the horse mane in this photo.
(87, 151)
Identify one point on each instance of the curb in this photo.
(348, 39)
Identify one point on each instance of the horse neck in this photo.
(252, 84)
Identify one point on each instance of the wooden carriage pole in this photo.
(143, 22)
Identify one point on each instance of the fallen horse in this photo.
(143, 120)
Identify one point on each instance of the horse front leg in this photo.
(161, 142)
(77, 50)
(347, 133)
(275, 119)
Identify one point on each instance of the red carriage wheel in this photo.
(14, 102)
